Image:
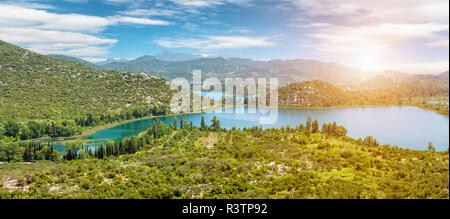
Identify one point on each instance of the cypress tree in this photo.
(202, 124)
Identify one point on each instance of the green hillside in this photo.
(201, 163)
(73, 59)
(323, 94)
(37, 87)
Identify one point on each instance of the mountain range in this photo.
(35, 86)
(286, 70)
(171, 65)
(177, 57)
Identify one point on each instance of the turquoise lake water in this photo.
(406, 127)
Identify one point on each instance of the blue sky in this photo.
(410, 36)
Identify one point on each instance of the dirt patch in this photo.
(208, 142)
(13, 185)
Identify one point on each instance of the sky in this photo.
(410, 35)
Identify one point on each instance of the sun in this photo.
(367, 61)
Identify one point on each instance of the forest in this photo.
(183, 161)
(324, 94)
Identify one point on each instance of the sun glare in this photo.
(367, 61)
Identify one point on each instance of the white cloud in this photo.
(190, 26)
(94, 59)
(209, 3)
(366, 28)
(13, 16)
(76, 1)
(216, 42)
(310, 25)
(439, 44)
(68, 34)
(239, 30)
(197, 3)
(380, 11)
(344, 39)
(152, 12)
(135, 20)
(57, 42)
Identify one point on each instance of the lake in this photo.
(438, 102)
(406, 127)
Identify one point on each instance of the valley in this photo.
(73, 129)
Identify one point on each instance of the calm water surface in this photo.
(438, 102)
(407, 127)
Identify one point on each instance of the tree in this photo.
(301, 127)
(175, 122)
(341, 131)
(431, 148)
(315, 126)
(26, 133)
(308, 123)
(334, 128)
(202, 124)
(215, 123)
(12, 128)
(181, 123)
(325, 128)
(10, 152)
(371, 141)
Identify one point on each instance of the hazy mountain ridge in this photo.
(444, 75)
(211, 67)
(111, 60)
(171, 65)
(176, 57)
(389, 79)
(286, 70)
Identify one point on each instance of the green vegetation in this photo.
(45, 97)
(42, 96)
(323, 94)
(424, 103)
(73, 59)
(209, 162)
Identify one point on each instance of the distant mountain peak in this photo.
(111, 60)
(444, 75)
(176, 57)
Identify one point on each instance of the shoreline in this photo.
(85, 134)
(352, 106)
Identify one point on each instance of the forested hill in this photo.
(34, 86)
(323, 94)
(73, 59)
